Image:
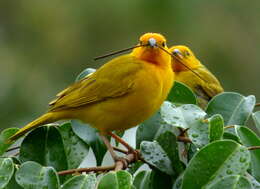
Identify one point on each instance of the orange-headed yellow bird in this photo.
(119, 95)
(205, 87)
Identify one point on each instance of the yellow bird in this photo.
(119, 95)
(206, 86)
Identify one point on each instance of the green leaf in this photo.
(152, 180)
(184, 116)
(187, 116)
(76, 150)
(253, 181)
(90, 135)
(32, 175)
(124, 180)
(12, 184)
(256, 118)
(214, 161)
(234, 108)
(249, 138)
(84, 73)
(192, 150)
(168, 142)
(6, 171)
(142, 180)
(178, 182)
(81, 182)
(181, 94)
(216, 127)
(159, 179)
(228, 135)
(153, 153)
(147, 130)
(116, 180)
(45, 146)
(231, 182)
(134, 167)
(199, 133)
(4, 136)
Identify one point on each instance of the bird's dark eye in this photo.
(140, 42)
(187, 53)
(163, 44)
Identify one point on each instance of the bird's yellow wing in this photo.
(114, 79)
(208, 89)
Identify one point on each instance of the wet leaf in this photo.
(32, 175)
(153, 153)
(4, 136)
(44, 145)
(116, 180)
(6, 171)
(249, 138)
(231, 182)
(168, 142)
(216, 127)
(214, 161)
(256, 118)
(91, 137)
(142, 180)
(181, 94)
(234, 108)
(76, 150)
(81, 182)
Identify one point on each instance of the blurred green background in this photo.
(45, 44)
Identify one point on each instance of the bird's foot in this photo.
(121, 163)
(136, 153)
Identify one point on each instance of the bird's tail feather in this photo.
(44, 119)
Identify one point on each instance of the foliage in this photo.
(184, 147)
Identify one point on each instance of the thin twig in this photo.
(87, 170)
(257, 104)
(119, 165)
(229, 126)
(254, 148)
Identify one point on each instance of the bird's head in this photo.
(183, 59)
(152, 48)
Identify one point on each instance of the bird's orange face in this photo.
(183, 55)
(152, 47)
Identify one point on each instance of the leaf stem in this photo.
(253, 148)
(229, 126)
(257, 104)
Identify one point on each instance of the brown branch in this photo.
(87, 170)
(254, 148)
(119, 165)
